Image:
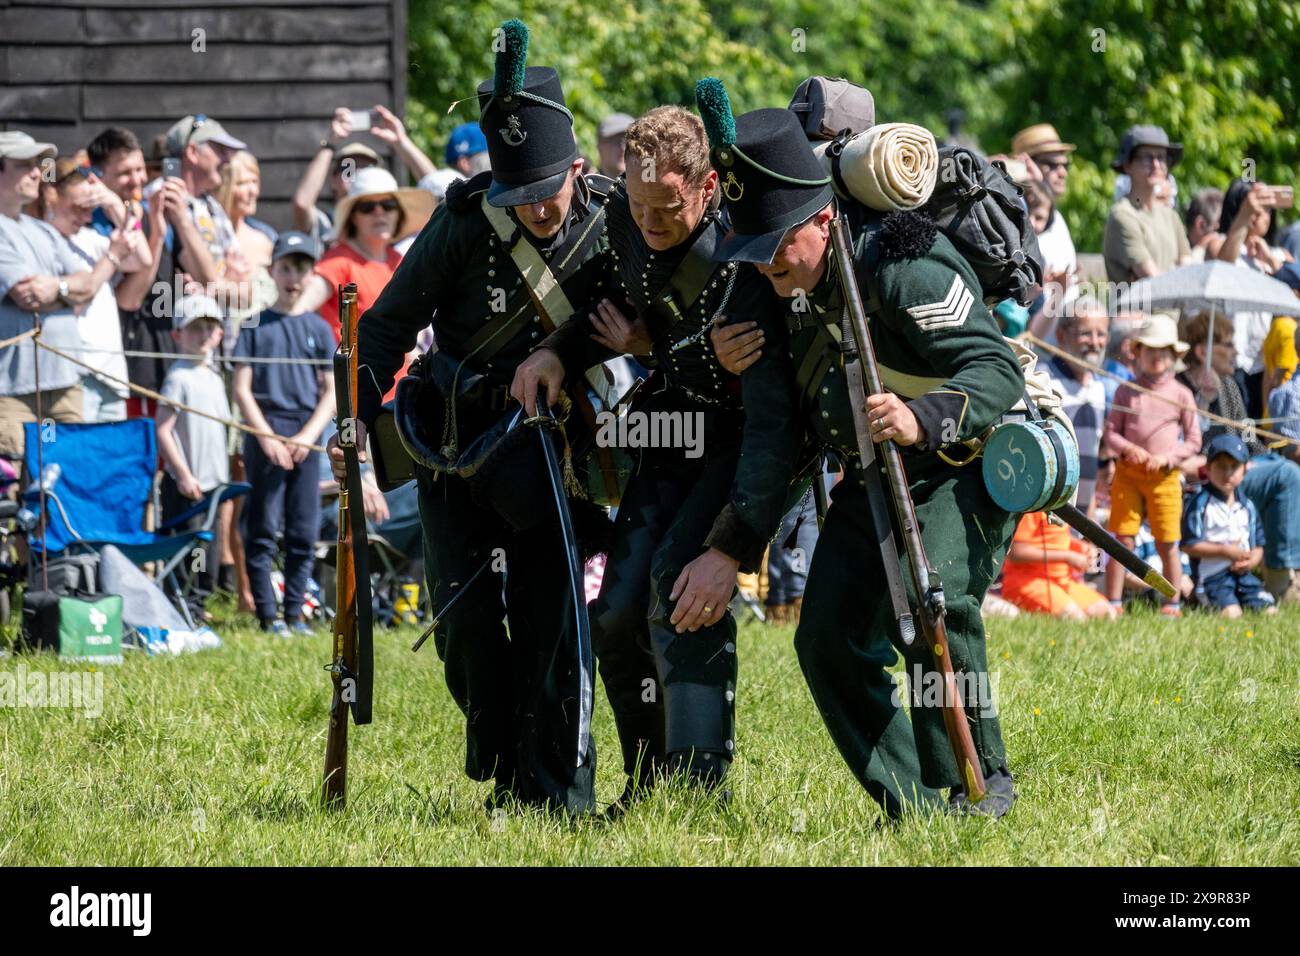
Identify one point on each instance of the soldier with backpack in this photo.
(950, 376)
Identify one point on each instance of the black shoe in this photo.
(633, 792)
(999, 795)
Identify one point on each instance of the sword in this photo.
(546, 422)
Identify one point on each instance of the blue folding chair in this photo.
(104, 484)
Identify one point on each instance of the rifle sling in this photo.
(545, 287)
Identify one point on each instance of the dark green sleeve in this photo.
(770, 444)
(425, 278)
(941, 315)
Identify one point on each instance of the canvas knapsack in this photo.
(828, 105)
(982, 211)
(975, 203)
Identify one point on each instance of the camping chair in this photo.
(105, 483)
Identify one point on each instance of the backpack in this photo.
(982, 211)
(974, 203)
(828, 106)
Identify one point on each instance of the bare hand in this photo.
(1157, 463)
(338, 463)
(614, 331)
(175, 198)
(277, 452)
(891, 418)
(35, 292)
(1078, 561)
(737, 345)
(1136, 456)
(374, 502)
(121, 244)
(190, 488)
(703, 590)
(298, 453)
(543, 367)
(340, 125)
(389, 128)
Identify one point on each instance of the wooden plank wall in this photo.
(272, 72)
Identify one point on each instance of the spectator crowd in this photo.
(149, 268)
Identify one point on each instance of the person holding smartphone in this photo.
(1249, 226)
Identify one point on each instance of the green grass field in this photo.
(1145, 742)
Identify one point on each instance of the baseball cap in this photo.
(354, 151)
(615, 124)
(1227, 443)
(197, 129)
(295, 244)
(16, 144)
(192, 307)
(465, 140)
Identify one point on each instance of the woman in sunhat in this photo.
(374, 216)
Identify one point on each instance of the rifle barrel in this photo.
(933, 629)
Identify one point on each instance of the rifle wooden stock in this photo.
(351, 665)
(929, 591)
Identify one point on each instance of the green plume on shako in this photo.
(715, 109)
(511, 58)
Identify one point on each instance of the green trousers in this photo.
(848, 637)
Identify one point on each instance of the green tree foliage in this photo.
(1219, 75)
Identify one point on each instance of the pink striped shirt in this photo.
(1145, 421)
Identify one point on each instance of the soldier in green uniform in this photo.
(950, 376)
(518, 692)
(663, 227)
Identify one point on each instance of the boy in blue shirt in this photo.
(1222, 531)
(293, 400)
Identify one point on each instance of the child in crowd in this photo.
(1222, 531)
(193, 447)
(1039, 572)
(1151, 438)
(292, 400)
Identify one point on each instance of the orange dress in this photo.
(1045, 587)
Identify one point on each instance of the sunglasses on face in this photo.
(367, 206)
(1050, 164)
(1150, 159)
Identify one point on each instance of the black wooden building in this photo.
(272, 71)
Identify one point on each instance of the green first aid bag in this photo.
(79, 628)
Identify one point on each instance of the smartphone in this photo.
(361, 121)
(1283, 197)
(171, 167)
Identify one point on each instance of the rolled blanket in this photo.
(890, 167)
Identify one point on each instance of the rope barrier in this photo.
(149, 393)
(249, 359)
(30, 333)
(1248, 424)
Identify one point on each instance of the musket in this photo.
(928, 587)
(352, 667)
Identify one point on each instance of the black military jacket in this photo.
(459, 276)
(681, 349)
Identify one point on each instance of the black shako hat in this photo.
(769, 175)
(529, 129)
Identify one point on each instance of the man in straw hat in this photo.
(1043, 147)
(950, 374)
(518, 692)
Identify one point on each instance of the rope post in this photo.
(40, 448)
